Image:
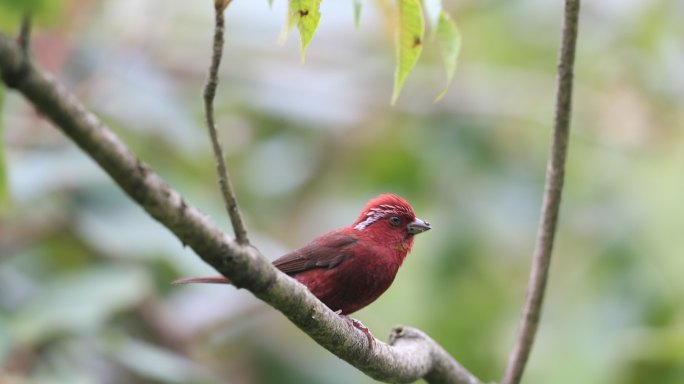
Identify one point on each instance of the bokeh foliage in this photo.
(84, 273)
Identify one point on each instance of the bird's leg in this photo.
(359, 325)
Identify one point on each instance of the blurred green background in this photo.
(85, 294)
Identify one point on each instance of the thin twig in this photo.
(209, 92)
(552, 198)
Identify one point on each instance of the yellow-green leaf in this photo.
(450, 45)
(357, 13)
(410, 34)
(306, 14)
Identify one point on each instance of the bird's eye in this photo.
(395, 221)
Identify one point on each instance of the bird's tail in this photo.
(203, 280)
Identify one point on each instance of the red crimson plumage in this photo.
(350, 267)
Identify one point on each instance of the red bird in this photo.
(349, 268)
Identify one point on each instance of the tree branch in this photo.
(552, 198)
(209, 92)
(410, 355)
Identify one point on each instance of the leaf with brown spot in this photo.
(306, 14)
(410, 33)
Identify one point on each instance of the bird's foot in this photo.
(359, 325)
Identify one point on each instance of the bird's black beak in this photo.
(417, 226)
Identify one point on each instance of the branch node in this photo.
(401, 333)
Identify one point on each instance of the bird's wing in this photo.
(326, 251)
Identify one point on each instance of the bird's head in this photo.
(389, 213)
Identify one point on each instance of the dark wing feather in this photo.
(326, 251)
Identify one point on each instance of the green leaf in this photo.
(410, 34)
(450, 44)
(4, 194)
(306, 14)
(357, 13)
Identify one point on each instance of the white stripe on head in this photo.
(383, 210)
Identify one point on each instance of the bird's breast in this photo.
(353, 284)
